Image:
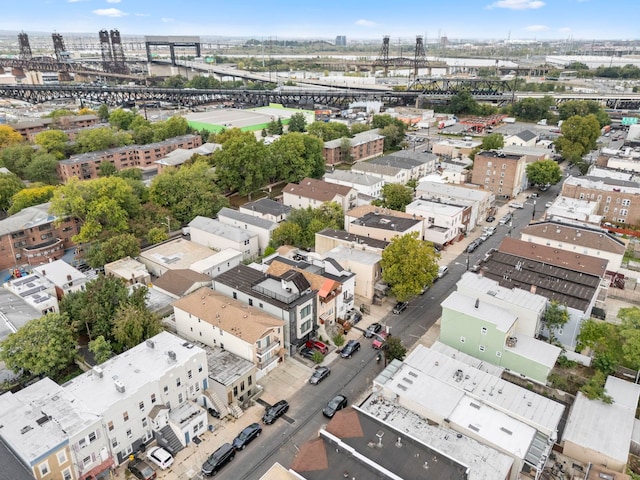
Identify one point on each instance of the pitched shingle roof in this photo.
(317, 189)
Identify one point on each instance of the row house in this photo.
(86, 166)
(367, 185)
(443, 223)
(267, 209)
(381, 223)
(33, 236)
(311, 192)
(219, 235)
(261, 227)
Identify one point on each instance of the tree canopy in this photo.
(302, 225)
(54, 142)
(101, 138)
(395, 196)
(579, 136)
(44, 346)
(583, 108)
(533, 109)
(394, 349)
(493, 141)
(556, 317)
(328, 130)
(10, 184)
(8, 136)
(408, 265)
(27, 197)
(544, 172)
(297, 123)
(112, 249)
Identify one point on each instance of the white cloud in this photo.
(536, 28)
(518, 4)
(365, 23)
(564, 30)
(114, 1)
(166, 20)
(142, 14)
(110, 12)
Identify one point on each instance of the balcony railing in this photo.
(264, 364)
(273, 345)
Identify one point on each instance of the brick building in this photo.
(364, 145)
(30, 237)
(29, 129)
(619, 200)
(86, 166)
(501, 173)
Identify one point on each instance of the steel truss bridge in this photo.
(434, 91)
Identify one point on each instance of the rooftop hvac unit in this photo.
(98, 371)
(119, 385)
(150, 344)
(172, 355)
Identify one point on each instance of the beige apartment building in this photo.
(500, 173)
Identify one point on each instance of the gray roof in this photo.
(422, 157)
(398, 162)
(27, 218)
(356, 178)
(453, 191)
(267, 206)
(526, 135)
(225, 367)
(17, 311)
(216, 227)
(12, 469)
(246, 218)
(350, 237)
(386, 222)
(357, 139)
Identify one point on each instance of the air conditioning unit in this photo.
(119, 385)
(172, 355)
(98, 371)
(150, 344)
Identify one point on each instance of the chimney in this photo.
(477, 302)
(533, 289)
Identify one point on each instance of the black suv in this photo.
(218, 459)
(141, 470)
(275, 411)
(246, 436)
(350, 348)
(400, 307)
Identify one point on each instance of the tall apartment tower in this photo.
(341, 41)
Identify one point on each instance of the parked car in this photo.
(372, 329)
(218, 459)
(246, 436)
(442, 271)
(491, 218)
(336, 403)
(400, 307)
(350, 348)
(353, 316)
(491, 230)
(516, 205)
(307, 352)
(317, 345)
(379, 340)
(141, 469)
(160, 457)
(548, 204)
(506, 219)
(473, 246)
(319, 374)
(484, 237)
(275, 411)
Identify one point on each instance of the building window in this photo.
(502, 174)
(488, 172)
(200, 368)
(189, 374)
(606, 209)
(626, 202)
(44, 468)
(62, 457)
(129, 434)
(110, 426)
(582, 196)
(235, 391)
(483, 330)
(623, 212)
(481, 348)
(462, 340)
(235, 295)
(144, 422)
(92, 437)
(249, 380)
(153, 398)
(498, 353)
(251, 302)
(305, 311)
(66, 474)
(621, 220)
(125, 415)
(305, 327)
(180, 398)
(608, 199)
(178, 382)
(114, 442)
(504, 166)
(242, 386)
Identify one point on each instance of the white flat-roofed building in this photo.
(132, 271)
(599, 433)
(38, 292)
(363, 183)
(135, 392)
(363, 263)
(267, 209)
(454, 148)
(218, 263)
(527, 306)
(573, 209)
(627, 164)
(218, 235)
(381, 223)
(532, 153)
(66, 278)
(462, 387)
(606, 172)
(260, 226)
(442, 222)
(175, 254)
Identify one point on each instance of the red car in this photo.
(379, 340)
(317, 345)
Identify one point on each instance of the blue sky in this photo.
(364, 19)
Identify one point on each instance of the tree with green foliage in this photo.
(143, 135)
(101, 349)
(302, 225)
(463, 103)
(275, 127)
(53, 141)
(394, 349)
(493, 141)
(594, 388)
(103, 113)
(327, 131)
(395, 196)
(317, 357)
(583, 108)
(132, 325)
(101, 138)
(92, 311)
(121, 119)
(111, 249)
(297, 123)
(10, 184)
(408, 265)
(544, 172)
(9, 137)
(44, 346)
(177, 81)
(188, 192)
(391, 128)
(43, 168)
(359, 128)
(102, 206)
(533, 109)
(156, 235)
(27, 197)
(556, 316)
(579, 136)
(293, 157)
(106, 169)
(243, 164)
(345, 150)
(60, 112)
(16, 158)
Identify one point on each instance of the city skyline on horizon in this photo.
(483, 20)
